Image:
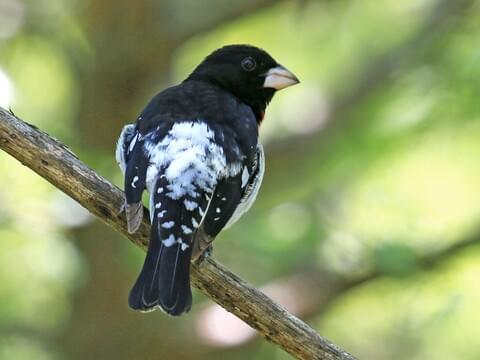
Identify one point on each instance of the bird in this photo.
(195, 148)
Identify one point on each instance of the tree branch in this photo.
(315, 289)
(53, 161)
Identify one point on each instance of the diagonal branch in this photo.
(316, 289)
(53, 161)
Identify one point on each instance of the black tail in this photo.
(165, 277)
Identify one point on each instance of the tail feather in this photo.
(164, 281)
(176, 296)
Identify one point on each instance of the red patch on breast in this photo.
(261, 116)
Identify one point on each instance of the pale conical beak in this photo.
(279, 78)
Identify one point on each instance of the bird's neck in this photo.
(257, 100)
(259, 111)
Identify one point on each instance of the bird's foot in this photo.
(202, 256)
(121, 210)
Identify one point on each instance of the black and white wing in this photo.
(251, 182)
(133, 162)
(233, 196)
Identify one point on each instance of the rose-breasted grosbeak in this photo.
(195, 148)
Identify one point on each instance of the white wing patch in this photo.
(185, 246)
(168, 224)
(186, 230)
(134, 182)
(191, 162)
(190, 205)
(169, 241)
(190, 157)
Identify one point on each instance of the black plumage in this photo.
(195, 148)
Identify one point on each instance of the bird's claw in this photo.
(121, 210)
(202, 256)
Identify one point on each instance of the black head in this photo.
(248, 72)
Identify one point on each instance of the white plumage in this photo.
(190, 155)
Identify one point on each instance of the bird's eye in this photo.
(249, 64)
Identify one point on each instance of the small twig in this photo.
(53, 161)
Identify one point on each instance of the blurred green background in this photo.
(368, 222)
